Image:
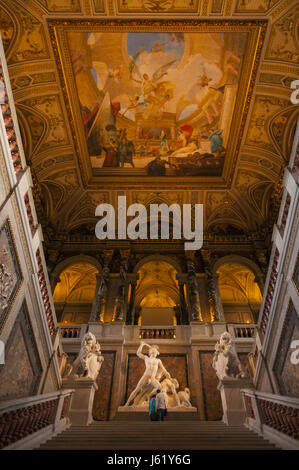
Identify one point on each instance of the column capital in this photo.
(190, 254)
(125, 253)
(206, 254)
(107, 254)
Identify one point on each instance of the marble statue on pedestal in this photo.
(149, 382)
(156, 377)
(89, 360)
(225, 361)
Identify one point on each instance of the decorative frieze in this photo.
(285, 213)
(269, 295)
(45, 295)
(29, 213)
(9, 124)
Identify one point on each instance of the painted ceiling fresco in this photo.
(157, 100)
(138, 110)
(210, 105)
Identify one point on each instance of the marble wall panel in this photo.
(211, 395)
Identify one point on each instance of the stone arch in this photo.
(240, 287)
(74, 282)
(158, 257)
(75, 260)
(157, 293)
(238, 259)
(66, 263)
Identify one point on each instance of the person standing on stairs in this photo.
(160, 405)
(152, 408)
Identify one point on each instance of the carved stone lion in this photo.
(225, 360)
(89, 360)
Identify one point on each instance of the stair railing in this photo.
(27, 422)
(275, 417)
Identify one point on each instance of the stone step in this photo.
(175, 435)
(122, 415)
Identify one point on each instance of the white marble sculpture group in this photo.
(157, 377)
(89, 360)
(225, 361)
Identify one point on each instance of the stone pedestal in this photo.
(80, 412)
(232, 402)
(140, 413)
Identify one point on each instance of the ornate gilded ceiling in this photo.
(47, 99)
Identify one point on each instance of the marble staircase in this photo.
(172, 435)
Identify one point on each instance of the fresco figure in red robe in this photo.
(110, 158)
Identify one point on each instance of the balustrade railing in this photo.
(276, 412)
(244, 332)
(281, 417)
(23, 417)
(157, 333)
(72, 331)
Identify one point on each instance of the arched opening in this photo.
(73, 295)
(240, 293)
(157, 294)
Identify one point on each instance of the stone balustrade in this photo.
(71, 331)
(275, 417)
(118, 332)
(242, 331)
(157, 333)
(39, 417)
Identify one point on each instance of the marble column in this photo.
(132, 278)
(120, 301)
(183, 305)
(101, 295)
(192, 287)
(213, 291)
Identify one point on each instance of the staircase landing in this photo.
(172, 435)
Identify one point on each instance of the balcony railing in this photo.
(157, 333)
(244, 332)
(39, 416)
(120, 333)
(72, 331)
(273, 416)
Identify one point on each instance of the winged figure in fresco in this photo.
(156, 93)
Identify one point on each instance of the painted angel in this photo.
(156, 93)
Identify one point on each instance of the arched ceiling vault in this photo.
(51, 144)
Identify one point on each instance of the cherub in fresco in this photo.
(204, 81)
(158, 47)
(134, 103)
(116, 73)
